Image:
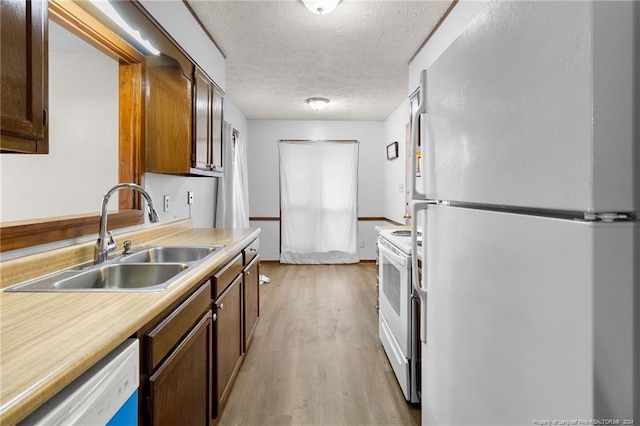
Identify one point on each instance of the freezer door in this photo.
(528, 318)
(533, 106)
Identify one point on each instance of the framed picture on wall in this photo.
(392, 150)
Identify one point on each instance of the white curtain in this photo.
(233, 199)
(318, 202)
(240, 184)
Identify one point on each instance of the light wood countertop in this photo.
(49, 339)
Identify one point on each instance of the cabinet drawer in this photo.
(169, 332)
(251, 251)
(226, 275)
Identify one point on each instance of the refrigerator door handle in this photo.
(421, 289)
(415, 124)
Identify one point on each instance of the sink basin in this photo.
(151, 268)
(122, 276)
(171, 254)
(118, 277)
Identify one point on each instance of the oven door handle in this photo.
(394, 257)
(420, 289)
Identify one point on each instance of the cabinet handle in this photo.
(215, 316)
(221, 306)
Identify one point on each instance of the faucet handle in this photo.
(126, 247)
(111, 244)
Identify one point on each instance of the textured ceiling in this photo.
(279, 54)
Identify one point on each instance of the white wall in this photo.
(264, 173)
(461, 14)
(176, 187)
(394, 170)
(231, 114)
(82, 163)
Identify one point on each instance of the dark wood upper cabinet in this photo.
(201, 125)
(216, 126)
(23, 97)
(207, 124)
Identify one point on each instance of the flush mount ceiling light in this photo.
(317, 103)
(321, 7)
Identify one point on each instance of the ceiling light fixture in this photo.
(321, 7)
(105, 7)
(317, 103)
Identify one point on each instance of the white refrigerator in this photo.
(528, 196)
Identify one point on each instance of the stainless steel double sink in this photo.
(150, 268)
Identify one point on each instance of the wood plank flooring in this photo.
(316, 358)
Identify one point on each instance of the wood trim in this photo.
(393, 222)
(265, 219)
(84, 25)
(453, 4)
(360, 219)
(320, 140)
(131, 128)
(21, 234)
(273, 261)
(206, 32)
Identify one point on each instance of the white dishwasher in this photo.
(106, 394)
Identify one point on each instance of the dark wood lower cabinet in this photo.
(191, 353)
(179, 389)
(228, 339)
(251, 300)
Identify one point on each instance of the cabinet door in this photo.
(228, 339)
(201, 122)
(179, 391)
(251, 300)
(23, 96)
(168, 116)
(216, 128)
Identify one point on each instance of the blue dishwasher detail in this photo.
(127, 415)
(106, 394)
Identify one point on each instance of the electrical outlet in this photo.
(189, 197)
(167, 203)
(361, 244)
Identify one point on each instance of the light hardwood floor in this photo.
(316, 357)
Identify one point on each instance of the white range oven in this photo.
(399, 310)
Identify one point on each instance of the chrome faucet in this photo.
(103, 247)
